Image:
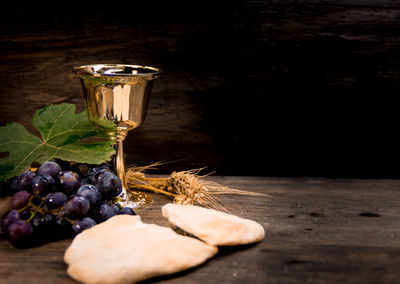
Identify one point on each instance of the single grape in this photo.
(43, 225)
(37, 221)
(25, 181)
(69, 182)
(43, 185)
(20, 199)
(83, 224)
(97, 169)
(105, 212)
(76, 206)
(96, 176)
(10, 218)
(116, 207)
(91, 193)
(55, 200)
(19, 233)
(109, 185)
(50, 168)
(126, 211)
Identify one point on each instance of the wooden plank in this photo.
(318, 231)
(318, 78)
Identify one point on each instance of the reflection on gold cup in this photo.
(116, 100)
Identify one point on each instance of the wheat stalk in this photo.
(185, 187)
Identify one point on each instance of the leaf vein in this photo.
(30, 153)
(55, 122)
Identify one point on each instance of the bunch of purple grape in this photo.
(58, 200)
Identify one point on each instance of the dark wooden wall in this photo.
(272, 88)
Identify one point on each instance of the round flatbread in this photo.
(125, 250)
(214, 227)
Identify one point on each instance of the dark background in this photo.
(271, 88)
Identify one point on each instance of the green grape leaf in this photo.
(62, 132)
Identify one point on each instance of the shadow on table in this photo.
(222, 251)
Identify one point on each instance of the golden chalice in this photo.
(116, 99)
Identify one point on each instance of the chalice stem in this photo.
(127, 197)
(118, 160)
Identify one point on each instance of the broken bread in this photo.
(125, 250)
(214, 227)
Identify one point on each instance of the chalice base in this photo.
(134, 199)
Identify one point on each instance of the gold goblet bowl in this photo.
(116, 100)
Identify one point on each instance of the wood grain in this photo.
(317, 231)
(271, 88)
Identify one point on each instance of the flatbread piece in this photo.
(212, 226)
(125, 250)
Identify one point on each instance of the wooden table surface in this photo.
(317, 231)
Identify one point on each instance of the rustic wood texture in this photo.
(280, 88)
(317, 231)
